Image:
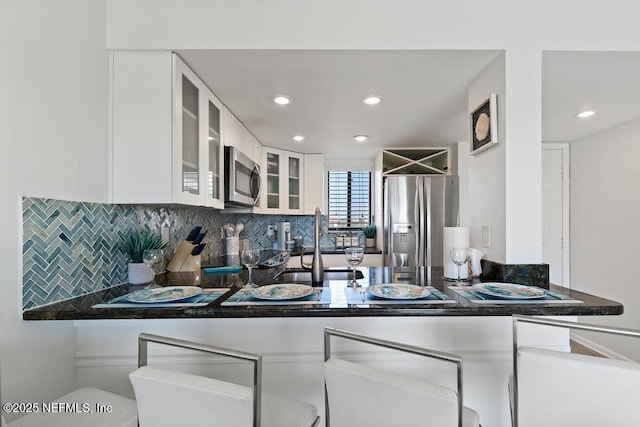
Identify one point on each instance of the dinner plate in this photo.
(509, 290)
(282, 291)
(398, 291)
(166, 294)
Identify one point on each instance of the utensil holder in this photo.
(232, 246)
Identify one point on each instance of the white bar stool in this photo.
(384, 398)
(560, 389)
(171, 398)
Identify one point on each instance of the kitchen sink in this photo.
(300, 275)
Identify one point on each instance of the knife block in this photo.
(180, 256)
(191, 263)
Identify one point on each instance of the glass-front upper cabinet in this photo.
(190, 137)
(190, 121)
(283, 181)
(198, 146)
(294, 183)
(273, 179)
(214, 179)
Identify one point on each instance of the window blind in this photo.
(349, 198)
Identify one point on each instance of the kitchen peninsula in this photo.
(334, 303)
(290, 336)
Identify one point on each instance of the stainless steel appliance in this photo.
(284, 236)
(242, 179)
(417, 208)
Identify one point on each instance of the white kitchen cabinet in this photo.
(237, 135)
(214, 152)
(165, 132)
(315, 185)
(282, 181)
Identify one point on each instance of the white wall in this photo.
(487, 187)
(54, 144)
(605, 208)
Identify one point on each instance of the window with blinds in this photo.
(349, 197)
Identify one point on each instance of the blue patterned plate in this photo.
(282, 291)
(509, 290)
(398, 291)
(166, 294)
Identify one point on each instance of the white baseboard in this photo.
(598, 348)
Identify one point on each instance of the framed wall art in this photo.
(484, 125)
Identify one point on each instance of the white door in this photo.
(555, 203)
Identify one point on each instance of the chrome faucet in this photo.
(316, 266)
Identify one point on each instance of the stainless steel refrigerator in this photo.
(416, 210)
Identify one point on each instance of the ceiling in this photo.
(605, 82)
(424, 94)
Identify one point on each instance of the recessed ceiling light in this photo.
(371, 100)
(298, 138)
(586, 114)
(282, 99)
(360, 138)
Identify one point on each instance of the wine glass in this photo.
(151, 257)
(354, 256)
(459, 256)
(250, 258)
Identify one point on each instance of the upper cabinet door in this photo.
(237, 135)
(214, 177)
(294, 176)
(272, 178)
(282, 182)
(141, 133)
(189, 138)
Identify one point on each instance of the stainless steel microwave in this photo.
(242, 178)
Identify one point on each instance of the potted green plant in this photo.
(134, 244)
(370, 235)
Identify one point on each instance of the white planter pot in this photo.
(139, 273)
(370, 242)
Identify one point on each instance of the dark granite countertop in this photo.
(81, 307)
(333, 251)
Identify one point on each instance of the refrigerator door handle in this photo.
(420, 242)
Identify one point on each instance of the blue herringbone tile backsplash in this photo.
(71, 248)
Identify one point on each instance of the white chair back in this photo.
(363, 396)
(564, 389)
(560, 389)
(170, 398)
(359, 395)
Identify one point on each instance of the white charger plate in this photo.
(398, 291)
(509, 290)
(282, 291)
(165, 294)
